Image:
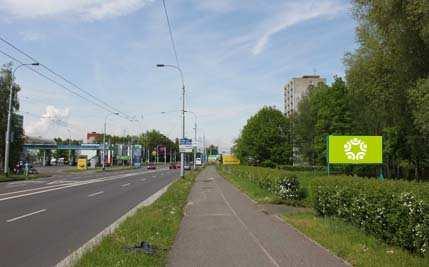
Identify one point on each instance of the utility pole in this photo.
(196, 146)
(9, 117)
(104, 139)
(182, 154)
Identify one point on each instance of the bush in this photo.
(394, 211)
(281, 183)
(289, 189)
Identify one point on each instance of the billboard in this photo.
(355, 149)
(230, 160)
(137, 155)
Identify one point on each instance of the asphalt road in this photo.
(41, 223)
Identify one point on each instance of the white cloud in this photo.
(53, 118)
(31, 36)
(82, 9)
(216, 5)
(292, 14)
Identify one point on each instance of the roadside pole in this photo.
(195, 147)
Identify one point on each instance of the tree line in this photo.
(385, 92)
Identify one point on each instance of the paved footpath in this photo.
(222, 227)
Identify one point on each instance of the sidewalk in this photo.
(222, 227)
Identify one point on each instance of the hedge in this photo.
(395, 211)
(283, 184)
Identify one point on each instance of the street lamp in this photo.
(9, 115)
(69, 131)
(195, 137)
(104, 138)
(182, 154)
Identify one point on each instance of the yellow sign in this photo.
(82, 164)
(230, 160)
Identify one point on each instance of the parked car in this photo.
(151, 166)
(187, 166)
(198, 162)
(172, 166)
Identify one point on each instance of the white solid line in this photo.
(104, 179)
(125, 185)
(25, 215)
(94, 194)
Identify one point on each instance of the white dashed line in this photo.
(25, 215)
(144, 179)
(125, 185)
(94, 194)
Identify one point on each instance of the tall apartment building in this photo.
(296, 89)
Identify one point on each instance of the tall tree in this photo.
(17, 132)
(392, 57)
(324, 111)
(265, 139)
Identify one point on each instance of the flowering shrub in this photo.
(281, 183)
(394, 211)
(289, 189)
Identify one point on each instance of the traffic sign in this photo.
(185, 145)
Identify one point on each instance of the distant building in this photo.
(296, 89)
(93, 137)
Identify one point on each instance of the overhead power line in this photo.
(126, 116)
(173, 43)
(57, 83)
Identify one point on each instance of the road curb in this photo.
(73, 258)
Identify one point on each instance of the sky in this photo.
(236, 56)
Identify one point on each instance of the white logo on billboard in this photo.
(355, 142)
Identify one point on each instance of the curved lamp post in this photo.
(9, 116)
(182, 154)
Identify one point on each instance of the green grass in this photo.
(13, 177)
(350, 243)
(255, 192)
(157, 224)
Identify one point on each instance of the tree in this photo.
(17, 132)
(265, 139)
(392, 58)
(324, 111)
(212, 150)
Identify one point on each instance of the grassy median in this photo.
(157, 224)
(350, 243)
(13, 177)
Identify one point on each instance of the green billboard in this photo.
(355, 149)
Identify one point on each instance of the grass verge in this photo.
(157, 224)
(350, 243)
(12, 178)
(255, 192)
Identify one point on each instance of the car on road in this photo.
(187, 166)
(172, 166)
(151, 166)
(198, 162)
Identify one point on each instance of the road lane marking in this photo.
(72, 259)
(144, 179)
(65, 186)
(94, 194)
(25, 215)
(127, 184)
